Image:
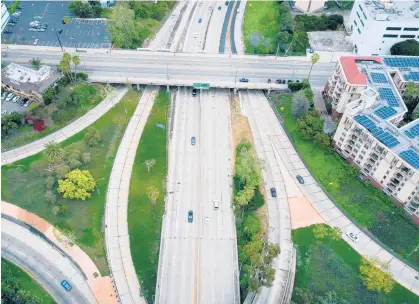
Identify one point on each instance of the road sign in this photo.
(198, 85)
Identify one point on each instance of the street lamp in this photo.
(58, 37)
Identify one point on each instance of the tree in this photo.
(122, 27)
(92, 137)
(409, 47)
(374, 278)
(77, 185)
(63, 210)
(86, 158)
(153, 194)
(48, 95)
(300, 105)
(50, 197)
(10, 122)
(76, 61)
(36, 63)
(149, 163)
(81, 9)
(322, 139)
(411, 99)
(314, 59)
(251, 225)
(61, 171)
(54, 152)
(65, 64)
(49, 182)
(309, 125)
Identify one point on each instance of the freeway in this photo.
(198, 260)
(170, 67)
(47, 265)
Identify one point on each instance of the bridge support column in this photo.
(138, 86)
(235, 91)
(269, 91)
(168, 88)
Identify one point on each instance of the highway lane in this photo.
(199, 261)
(24, 249)
(212, 42)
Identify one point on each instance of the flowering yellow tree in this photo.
(77, 184)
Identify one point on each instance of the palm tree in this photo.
(76, 61)
(314, 60)
(53, 152)
(64, 65)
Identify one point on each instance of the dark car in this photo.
(279, 81)
(194, 92)
(66, 285)
(226, 2)
(269, 80)
(7, 32)
(219, 8)
(273, 192)
(190, 216)
(193, 140)
(199, 20)
(300, 179)
(244, 80)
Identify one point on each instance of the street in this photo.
(199, 259)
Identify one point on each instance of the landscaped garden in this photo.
(330, 271)
(146, 196)
(18, 287)
(367, 206)
(66, 184)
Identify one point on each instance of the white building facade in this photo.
(375, 26)
(365, 91)
(4, 16)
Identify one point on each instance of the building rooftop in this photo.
(392, 10)
(27, 79)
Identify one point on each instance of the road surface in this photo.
(47, 265)
(198, 262)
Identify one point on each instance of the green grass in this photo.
(25, 281)
(85, 218)
(144, 220)
(67, 114)
(326, 265)
(370, 207)
(263, 18)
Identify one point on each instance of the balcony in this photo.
(354, 137)
(391, 187)
(371, 160)
(395, 181)
(374, 156)
(399, 176)
(368, 167)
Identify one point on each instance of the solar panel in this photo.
(387, 94)
(411, 156)
(402, 62)
(385, 112)
(379, 78)
(383, 136)
(413, 131)
(412, 76)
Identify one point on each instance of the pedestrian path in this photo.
(116, 222)
(76, 126)
(87, 274)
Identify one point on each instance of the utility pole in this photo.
(58, 37)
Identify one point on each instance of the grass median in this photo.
(327, 265)
(84, 217)
(12, 275)
(144, 216)
(371, 208)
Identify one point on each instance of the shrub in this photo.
(66, 20)
(33, 107)
(50, 197)
(49, 182)
(74, 163)
(77, 185)
(62, 170)
(408, 47)
(49, 95)
(74, 155)
(10, 122)
(86, 158)
(63, 210)
(92, 137)
(256, 201)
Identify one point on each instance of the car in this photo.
(27, 104)
(10, 96)
(66, 285)
(289, 80)
(3, 112)
(11, 24)
(194, 92)
(22, 102)
(193, 140)
(173, 15)
(195, 35)
(7, 32)
(352, 236)
(207, 220)
(269, 80)
(219, 8)
(35, 42)
(3, 96)
(200, 3)
(273, 192)
(190, 216)
(200, 43)
(279, 81)
(238, 11)
(199, 20)
(300, 179)
(33, 29)
(15, 99)
(226, 2)
(40, 29)
(244, 80)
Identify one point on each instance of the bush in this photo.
(86, 158)
(49, 95)
(50, 197)
(83, 93)
(10, 122)
(66, 20)
(63, 210)
(77, 185)
(33, 107)
(408, 47)
(49, 182)
(92, 137)
(13, 7)
(74, 163)
(62, 170)
(298, 86)
(91, 9)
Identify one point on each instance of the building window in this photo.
(358, 15)
(412, 29)
(393, 28)
(407, 36)
(355, 23)
(364, 16)
(362, 23)
(390, 36)
(359, 31)
(409, 197)
(360, 7)
(384, 177)
(341, 139)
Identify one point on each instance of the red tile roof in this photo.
(350, 68)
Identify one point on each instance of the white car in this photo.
(27, 104)
(352, 236)
(207, 220)
(200, 43)
(3, 96)
(35, 42)
(195, 35)
(10, 96)
(14, 99)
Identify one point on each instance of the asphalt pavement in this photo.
(198, 262)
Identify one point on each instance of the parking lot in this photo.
(77, 33)
(10, 107)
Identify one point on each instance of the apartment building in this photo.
(4, 16)
(375, 26)
(368, 134)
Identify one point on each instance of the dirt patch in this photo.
(302, 213)
(241, 131)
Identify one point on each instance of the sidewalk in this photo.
(116, 222)
(66, 132)
(101, 287)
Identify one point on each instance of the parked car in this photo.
(199, 20)
(3, 96)
(300, 179)
(219, 8)
(195, 35)
(10, 96)
(35, 42)
(193, 140)
(22, 102)
(226, 2)
(66, 285)
(352, 236)
(27, 104)
(279, 81)
(273, 192)
(15, 99)
(244, 80)
(7, 32)
(190, 216)
(194, 92)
